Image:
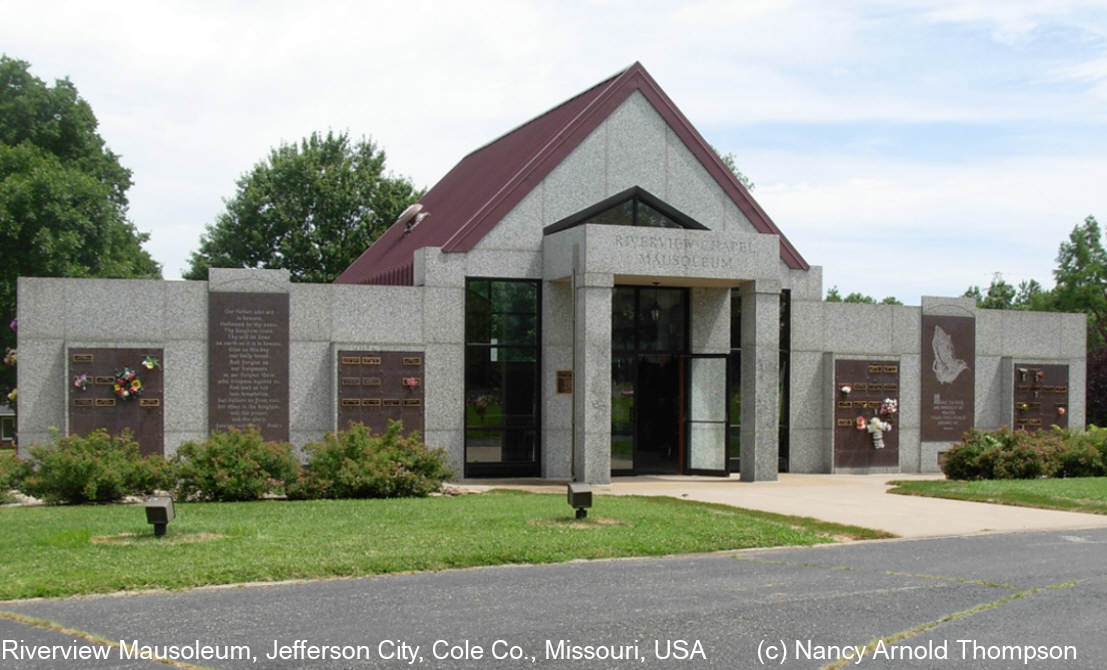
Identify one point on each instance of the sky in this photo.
(908, 147)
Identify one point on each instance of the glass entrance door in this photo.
(649, 336)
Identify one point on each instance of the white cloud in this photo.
(192, 94)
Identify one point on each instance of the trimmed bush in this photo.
(12, 471)
(355, 463)
(1003, 454)
(234, 465)
(95, 468)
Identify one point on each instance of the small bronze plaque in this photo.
(412, 360)
(103, 380)
(351, 381)
(371, 381)
(370, 402)
(392, 402)
(890, 388)
(351, 360)
(351, 402)
(861, 387)
(149, 402)
(82, 358)
(890, 369)
(82, 402)
(844, 423)
(875, 369)
(370, 360)
(564, 381)
(105, 402)
(413, 402)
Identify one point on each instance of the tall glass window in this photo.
(734, 434)
(502, 341)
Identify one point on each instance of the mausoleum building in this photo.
(591, 294)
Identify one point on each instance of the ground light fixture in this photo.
(580, 498)
(159, 511)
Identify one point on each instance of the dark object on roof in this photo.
(487, 184)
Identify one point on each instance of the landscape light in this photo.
(159, 511)
(580, 498)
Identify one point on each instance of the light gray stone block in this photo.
(1077, 400)
(710, 320)
(635, 135)
(929, 459)
(1031, 334)
(858, 329)
(1074, 336)
(43, 384)
(444, 315)
(245, 280)
(114, 309)
(185, 370)
(808, 452)
(989, 332)
(556, 447)
(808, 391)
(311, 310)
(557, 303)
(689, 187)
(186, 310)
(734, 221)
(311, 387)
(432, 267)
(909, 452)
(380, 314)
(807, 325)
(945, 306)
(520, 230)
(804, 284)
(578, 182)
(504, 263)
(445, 387)
(760, 376)
(452, 442)
(41, 307)
(989, 393)
(906, 327)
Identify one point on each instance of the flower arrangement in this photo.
(127, 384)
(876, 429)
(846, 389)
(411, 381)
(81, 381)
(1041, 374)
(10, 356)
(1061, 411)
(1023, 407)
(13, 395)
(860, 423)
(150, 363)
(889, 407)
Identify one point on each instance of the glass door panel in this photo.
(707, 413)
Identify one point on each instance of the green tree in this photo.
(833, 295)
(1081, 277)
(728, 160)
(310, 208)
(1000, 294)
(63, 194)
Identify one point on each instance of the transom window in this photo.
(633, 207)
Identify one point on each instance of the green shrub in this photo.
(233, 465)
(962, 461)
(95, 468)
(1080, 454)
(355, 463)
(12, 471)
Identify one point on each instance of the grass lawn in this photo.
(1079, 494)
(59, 551)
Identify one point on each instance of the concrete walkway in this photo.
(859, 500)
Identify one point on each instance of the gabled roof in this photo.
(488, 183)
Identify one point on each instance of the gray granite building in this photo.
(593, 293)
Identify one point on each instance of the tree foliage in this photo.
(833, 295)
(310, 208)
(732, 165)
(63, 194)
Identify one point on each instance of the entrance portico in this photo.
(650, 332)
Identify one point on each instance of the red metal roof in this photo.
(480, 190)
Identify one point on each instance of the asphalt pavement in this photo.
(985, 601)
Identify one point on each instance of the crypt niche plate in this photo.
(98, 399)
(1041, 396)
(375, 387)
(869, 384)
